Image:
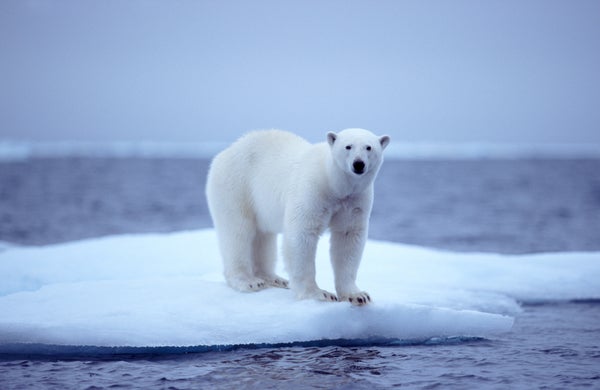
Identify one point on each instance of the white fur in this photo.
(271, 182)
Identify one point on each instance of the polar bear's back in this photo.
(272, 150)
(253, 175)
(268, 145)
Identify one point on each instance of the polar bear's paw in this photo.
(322, 295)
(247, 284)
(327, 296)
(357, 299)
(277, 281)
(318, 294)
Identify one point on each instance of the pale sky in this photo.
(199, 71)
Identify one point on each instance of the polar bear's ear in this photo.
(331, 137)
(384, 140)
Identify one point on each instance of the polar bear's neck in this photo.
(345, 184)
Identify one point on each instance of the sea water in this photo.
(505, 206)
(550, 346)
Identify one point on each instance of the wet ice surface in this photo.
(499, 206)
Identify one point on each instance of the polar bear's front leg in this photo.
(346, 252)
(299, 251)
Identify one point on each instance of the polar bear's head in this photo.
(357, 151)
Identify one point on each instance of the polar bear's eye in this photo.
(348, 147)
(368, 148)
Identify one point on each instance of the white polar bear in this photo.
(271, 182)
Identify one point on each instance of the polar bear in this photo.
(271, 182)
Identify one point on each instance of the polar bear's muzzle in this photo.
(358, 167)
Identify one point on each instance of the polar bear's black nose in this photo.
(358, 167)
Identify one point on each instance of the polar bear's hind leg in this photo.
(265, 258)
(236, 242)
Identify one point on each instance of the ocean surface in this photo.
(502, 205)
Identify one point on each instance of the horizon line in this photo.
(24, 150)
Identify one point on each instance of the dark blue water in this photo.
(506, 206)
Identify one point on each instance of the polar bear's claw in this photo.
(247, 284)
(256, 286)
(359, 299)
(278, 282)
(327, 296)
